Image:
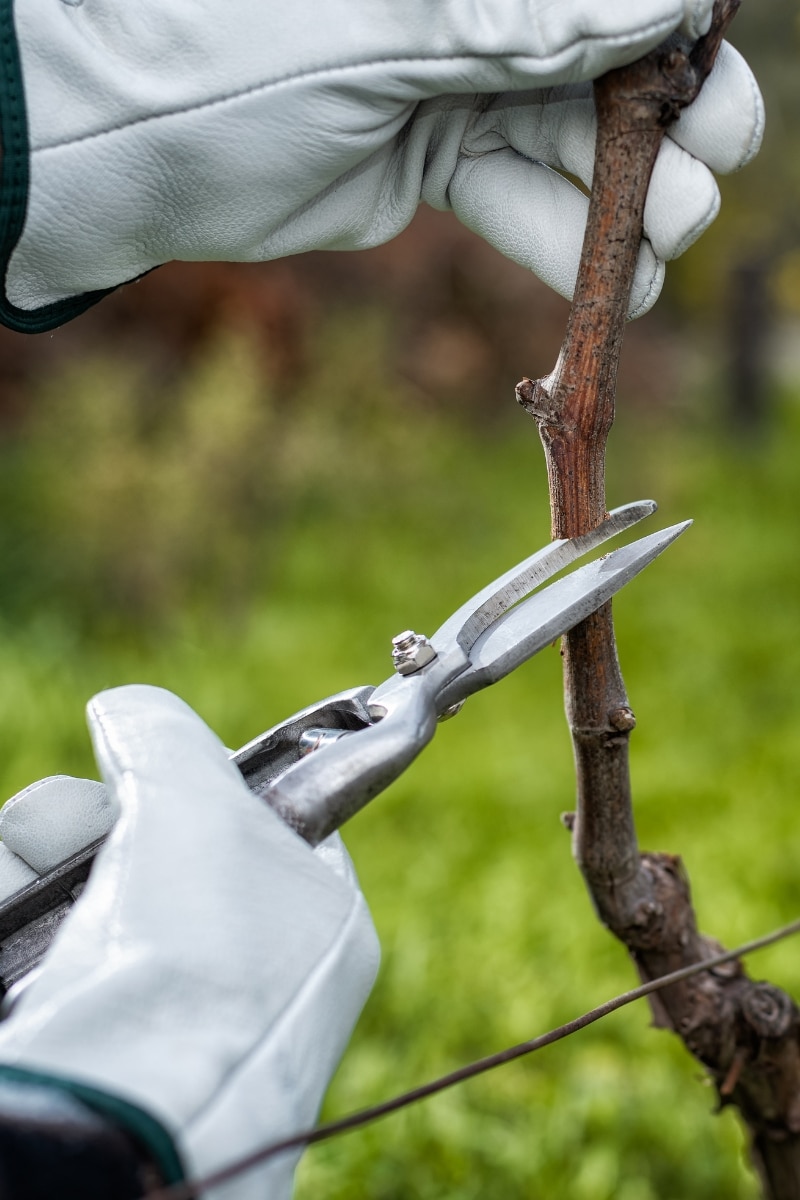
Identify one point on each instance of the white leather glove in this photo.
(206, 983)
(254, 129)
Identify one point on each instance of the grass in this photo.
(488, 937)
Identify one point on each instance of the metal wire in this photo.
(192, 1188)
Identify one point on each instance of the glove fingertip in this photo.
(697, 20)
(759, 120)
(15, 874)
(530, 213)
(724, 126)
(149, 731)
(700, 227)
(682, 202)
(647, 283)
(55, 818)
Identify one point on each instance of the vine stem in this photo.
(746, 1034)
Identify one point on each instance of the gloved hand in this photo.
(254, 129)
(205, 985)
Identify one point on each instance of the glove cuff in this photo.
(143, 1129)
(14, 188)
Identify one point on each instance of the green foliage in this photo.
(348, 514)
(144, 496)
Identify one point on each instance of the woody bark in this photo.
(744, 1033)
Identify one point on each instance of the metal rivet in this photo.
(411, 652)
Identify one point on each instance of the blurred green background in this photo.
(239, 483)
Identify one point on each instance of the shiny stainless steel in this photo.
(30, 919)
(543, 617)
(318, 739)
(481, 611)
(484, 640)
(489, 636)
(272, 752)
(320, 792)
(411, 652)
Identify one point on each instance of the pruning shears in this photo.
(322, 765)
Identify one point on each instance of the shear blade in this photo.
(542, 618)
(474, 618)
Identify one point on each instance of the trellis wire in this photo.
(190, 1190)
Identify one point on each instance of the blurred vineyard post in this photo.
(751, 319)
(745, 275)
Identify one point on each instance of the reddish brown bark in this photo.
(745, 1033)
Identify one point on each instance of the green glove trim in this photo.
(14, 180)
(144, 1128)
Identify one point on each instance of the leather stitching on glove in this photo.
(542, 64)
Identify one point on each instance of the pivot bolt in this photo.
(411, 652)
